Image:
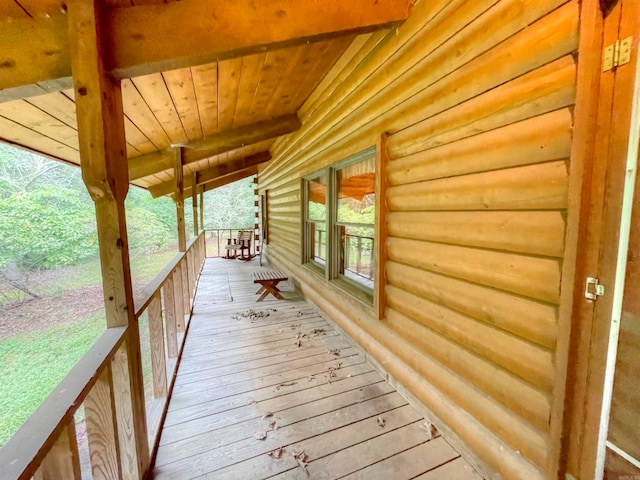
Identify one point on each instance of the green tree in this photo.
(230, 206)
(49, 227)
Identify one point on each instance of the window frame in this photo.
(331, 272)
(307, 258)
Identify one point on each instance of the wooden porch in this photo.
(261, 383)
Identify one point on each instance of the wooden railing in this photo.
(48, 447)
(217, 239)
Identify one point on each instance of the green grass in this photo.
(33, 364)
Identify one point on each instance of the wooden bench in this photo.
(268, 280)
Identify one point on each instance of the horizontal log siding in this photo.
(477, 99)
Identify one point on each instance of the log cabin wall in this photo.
(477, 99)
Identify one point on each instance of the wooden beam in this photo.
(33, 50)
(141, 44)
(211, 174)
(233, 177)
(37, 49)
(102, 145)
(222, 142)
(227, 168)
(34, 89)
(151, 163)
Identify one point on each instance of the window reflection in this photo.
(355, 221)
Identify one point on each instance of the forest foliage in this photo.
(47, 219)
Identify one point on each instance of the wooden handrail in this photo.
(157, 283)
(160, 279)
(46, 444)
(22, 455)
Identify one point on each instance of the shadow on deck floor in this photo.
(271, 390)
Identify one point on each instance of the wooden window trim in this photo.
(370, 297)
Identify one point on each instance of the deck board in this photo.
(278, 369)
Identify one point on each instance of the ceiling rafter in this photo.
(232, 177)
(213, 145)
(36, 50)
(212, 174)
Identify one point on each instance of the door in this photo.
(622, 447)
(602, 430)
(618, 453)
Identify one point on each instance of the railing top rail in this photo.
(24, 452)
(228, 228)
(191, 242)
(160, 279)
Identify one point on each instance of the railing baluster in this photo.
(192, 271)
(62, 461)
(100, 416)
(185, 286)
(170, 317)
(120, 373)
(156, 338)
(179, 297)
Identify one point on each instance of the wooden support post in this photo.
(201, 188)
(179, 297)
(194, 205)
(104, 165)
(179, 199)
(256, 223)
(170, 317)
(156, 339)
(102, 430)
(63, 460)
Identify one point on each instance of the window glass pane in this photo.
(317, 198)
(356, 193)
(357, 254)
(318, 239)
(316, 234)
(355, 221)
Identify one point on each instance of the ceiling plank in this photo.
(155, 93)
(212, 174)
(205, 84)
(37, 49)
(183, 94)
(214, 145)
(229, 73)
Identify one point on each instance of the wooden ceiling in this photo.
(219, 112)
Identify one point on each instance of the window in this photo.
(355, 221)
(316, 221)
(339, 238)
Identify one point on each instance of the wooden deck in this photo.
(269, 390)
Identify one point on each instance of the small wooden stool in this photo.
(268, 280)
